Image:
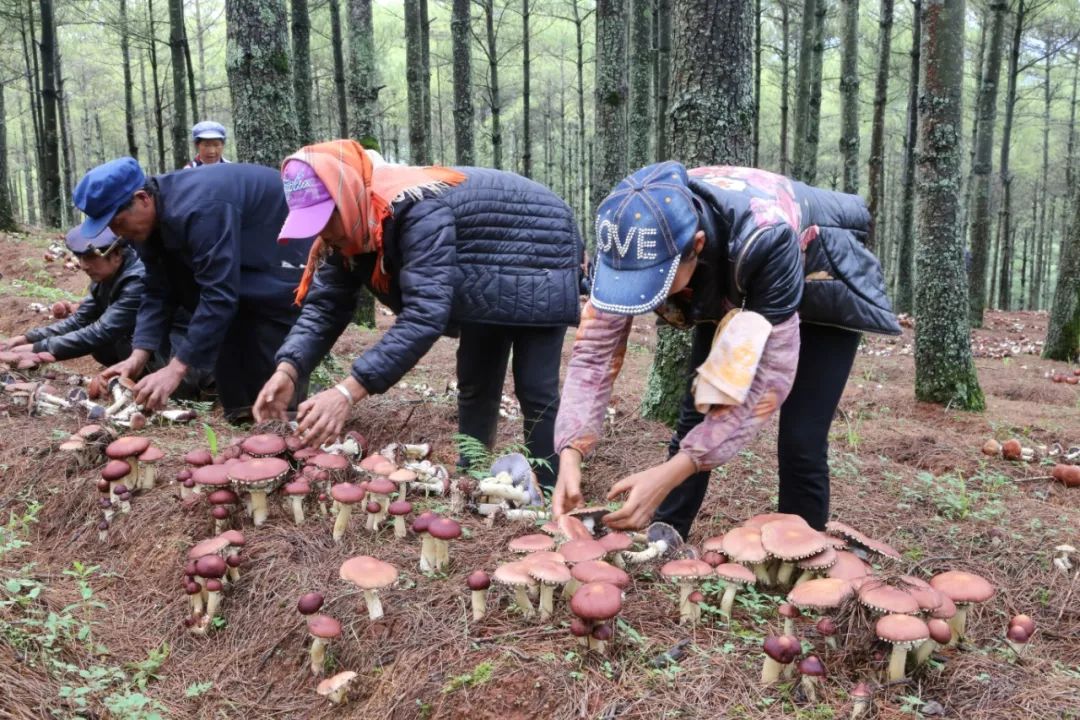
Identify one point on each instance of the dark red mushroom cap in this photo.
(212, 566)
(713, 558)
(213, 585)
(189, 568)
(120, 488)
(596, 601)
(578, 628)
(258, 471)
(234, 561)
(329, 461)
(478, 580)
(603, 632)
(421, 522)
(114, 470)
(324, 626)
(298, 488)
(103, 525)
(1017, 634)
(309, 603)
(782, 648)
(381, 486)
(220, 512)
(789, 611)
(264, 445)
(211, 475)
(127, 446)
(198, 458)
(696, 597)
(104, 503)
(940, 632)
(151, 455)
(223, 497)
(1025, 622)
(444, 529)
(826, 627)
(192, 588)
(103, 485)
(373, 506)
(812, 665)
(183, 475)
(400, 507)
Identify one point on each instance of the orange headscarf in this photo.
(364, 194)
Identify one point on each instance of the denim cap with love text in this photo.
(310, 203)
(642, 228)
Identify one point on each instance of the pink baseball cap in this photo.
(310, 203)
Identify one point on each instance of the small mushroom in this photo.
(345, 495)
(790, 541)
(309, 603)
(258, 477)
(323, 629)
(902, 632)
(734, 577)
(516, 575)
(812, 669)
(128, 449)
(861, 698)
(963, 588)
(940, 634)
(370, 575)
(789, 612)
(550, 575)
(147, 462)
(1012, 449)
(335, 688)
(401, 478)
(478, 582)
(597, 603)
(442, 531)
(213, 568)
(379, 490)
(687, 573)
(297, 491)
(743, 545)
(1017, 637)
(427, 546)
(399, 509)
(780, 650)
(826, 628)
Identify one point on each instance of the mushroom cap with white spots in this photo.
(819, 562)
(876, 595)
(743, 545)
(514, 574)
(686, 569)
(258, 473)
(835, 527)
(848, 566)
(576, 551)
(347, 493)
(734, 573)
(548, 572)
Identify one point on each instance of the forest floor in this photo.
(95, 629)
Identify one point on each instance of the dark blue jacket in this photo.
(104, 322)
(215, 245)
(496, 249)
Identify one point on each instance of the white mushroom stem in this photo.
(125, 506)
(342, 521)
(442, 553)
(958, 623)
(479, 604)
(432, 485)
(147, 476)
(860, 707)
(686, 610)
(516, 495)
(654, 550)
(547, 600)
(457, 498)
(233, 573)
(103, 535)
(521, 598)
(196, 604)
(897, 661)
(617, 559)
(213, 600)
(924, 651)
(399, 526)
(805, 576)
(809, 686)
(337, 696)
(318, 655)
(259, 511)
(770, 671)
(761, 572)
(374, 605)
(221, 526)
(185, 492)
(783, 575)
(570, 588)
(297, 502)
(384, 503)
(728, 599)
(789, 627)
(427, 553)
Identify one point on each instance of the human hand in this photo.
(12, 343)
(23, 348)
(274, 397)
(129, 368)
(153, 391)
(322, 418)
(645, 491)
(567, 493)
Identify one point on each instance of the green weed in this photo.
(478, 676)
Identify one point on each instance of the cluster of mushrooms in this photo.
(1072, 379)
(131, 468)
(1066, 470)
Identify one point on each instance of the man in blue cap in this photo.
(103, 324)
(209, 139)
(773, 279)
(209, 243)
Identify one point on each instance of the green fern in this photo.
(480, 458)
(211, 438)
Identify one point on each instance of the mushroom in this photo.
(743, 545)
(940, 634)
(887, 599)
(401, 478)
(687, 574)
(258, 477)
(146, 462)
(816, 565)
(848, 566)
(835, 527)
(780, 650)
(827, 629)
(516, 575)
(379, 490)
(616, 543)
(183, 479)
(113, 472)
(531, 543)
(368, 464)
(789, 612)
(442, 531)
(991, 448)
(309, 603)
(399, 509)
(322, 629)
(427, 546)
(1012, 449)
(478, 582)
(902, 632)
(211, 567)
(265, 445)
(335, 688)
(550, 575)
(591, 571)
(1017, 637)
(811, 668)
(790, 541)
(370, 575)
(297, 491)
(580, 629)
(963, 588)
(734, 577)
(211, 477)
(128, 448)
(600, 637)
(860, 700)
(123, 494)
(345, 495)
(597, 603)
(820, 594)
(220, 499)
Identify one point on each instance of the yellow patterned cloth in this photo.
(726, 375)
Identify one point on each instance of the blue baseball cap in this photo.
(81, 244)
(207, 130)
(642, 228)
(103, 190)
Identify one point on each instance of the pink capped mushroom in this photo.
(370, 575)
(345, 495)
(478, 583)
(323, 629)
(399, 509)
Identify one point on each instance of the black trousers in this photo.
(826, 355)
(246, 359)
(483, 354)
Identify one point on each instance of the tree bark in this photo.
(414, 77)
(663, 76)
(200, 46)
(875, 188)
(339, 65)
(983, 164)
(52, 205)
(363, 90)
(849, 97)
(159, 114)
(1005, 212)
(493, 93)
(301, 50)
(7, 211)
(33, 73)
(977, 73)
(146, 114)
(905, 280)
(67, 151)
(611, 99)
(28, 174)
(1040, 236)
(526, 109)
(129, 90)
(260, 81)
(179, 86)
(464, 134)
(425, 76)
(803, 83)
(1070, 153)
(711, 123)
(192, 97)
(944, 369)
(583, 169)
(757, 82)
(785, 90)
(1063, 331)
(640, 61)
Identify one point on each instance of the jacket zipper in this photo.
(742, 253)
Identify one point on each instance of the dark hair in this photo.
(149, 187)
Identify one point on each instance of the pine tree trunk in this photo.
(260, 82)
(129, 90)
(944, 369)
(301, 56)
(1005, 212)
(192, 97)
(200, 46)
(148, 134)
(494, 99)
(813, 117)
(464, 135)
(905, 280)
(1040, 237)
(977, 73)
(37, 111)
(526, 109)
(1063, 331)
(363, 91)
(663, 76)
(611, 99)
(877, 125)
(425, 75)
(52, 205)
(640, 62)
(339, 63)
(67, 151)
(179, 86)
(757, 83)
(28, 174)
(983, 165)
(711, 123)
(1070, 154)
(785, 91)
(159, 114)
(583, 170)
(849, 97)
(803, 83)
(414, 77)
(7, 210)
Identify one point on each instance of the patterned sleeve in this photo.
(595, 362)
(726, 429)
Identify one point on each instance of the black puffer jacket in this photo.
(777, 247)
(496, 249)
(104, 322)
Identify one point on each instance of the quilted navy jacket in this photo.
(495, 249)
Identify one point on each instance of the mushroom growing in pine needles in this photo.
(789, 542)
(323, 629)
(399, 509)
(370, 575)
(963, 588)
(516, 575)
(297, 491)
(1021, 628)
(310, 603)
(812, 670)
(827, 629)
(345, 496)
(860, 700)
(335, 688)
(688, 574)
(780, 650)
(478, 583)
(789, 612)
(734, 577)
(258, 477)
(902, 632)
(442, 531)
(427, 547)
(940, 634)
(550, 575)
(597, 603)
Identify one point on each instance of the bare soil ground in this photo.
(906, 472)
